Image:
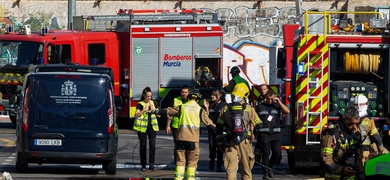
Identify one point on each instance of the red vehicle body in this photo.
(163, 50)
(325, 68)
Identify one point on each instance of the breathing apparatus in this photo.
(241, 93)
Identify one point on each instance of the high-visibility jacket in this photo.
(239, 79)
(190, 115)
(176, 102)
(141, 123)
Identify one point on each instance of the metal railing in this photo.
(327, 16)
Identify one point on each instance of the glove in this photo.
(212, 128)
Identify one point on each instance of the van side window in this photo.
(97, 52)
(59, 54)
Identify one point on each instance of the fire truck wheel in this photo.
(13, 119)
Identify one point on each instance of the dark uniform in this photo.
(268, 135)
(214, 111)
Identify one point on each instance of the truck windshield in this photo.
(19, 53)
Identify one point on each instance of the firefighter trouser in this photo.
(187, 154)
(239, 154)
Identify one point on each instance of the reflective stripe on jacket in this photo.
(175, 120)
(141, 123)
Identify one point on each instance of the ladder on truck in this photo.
(141, 17)
(315, 74)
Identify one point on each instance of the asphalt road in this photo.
(128, 161)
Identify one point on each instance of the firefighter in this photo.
(172, 122)
(341, 145)
(236, 79)
(187, 138)
(269, 138)
(238, 118)
(146, 125)
(370, 134)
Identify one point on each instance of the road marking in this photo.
(6, 143)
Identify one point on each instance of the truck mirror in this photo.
(281, 61)
(118, 102)
(281, 73)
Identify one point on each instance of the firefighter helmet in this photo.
(241, 90)
(361, 103)
(195, 94)
(234, 71)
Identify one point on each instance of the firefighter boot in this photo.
(271, 173)
(211, 164)
(265, 173)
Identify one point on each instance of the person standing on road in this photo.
(236, 79)
(341, 145)
(187, 143)
(269, 132)
(146, 126)
(238, 118)
(215, 106)
(263, 93)
(172, 122)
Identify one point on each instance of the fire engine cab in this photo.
(162, 49)
(328, 61)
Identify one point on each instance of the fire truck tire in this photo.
(291, 162)
(13, 119)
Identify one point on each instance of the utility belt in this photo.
(266, 130)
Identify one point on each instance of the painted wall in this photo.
(248, 30)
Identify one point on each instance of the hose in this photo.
(361, 62)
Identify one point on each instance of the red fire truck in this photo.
(162, 49)
(328, 61)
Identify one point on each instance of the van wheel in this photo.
(13, 119)
(21, 164)
(110, 167)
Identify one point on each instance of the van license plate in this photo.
(48, 142)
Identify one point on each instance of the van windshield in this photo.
(59, 98)
(20, 53)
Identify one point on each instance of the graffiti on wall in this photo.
(251, 58)
(243, 24)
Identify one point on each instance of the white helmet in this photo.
(361, 103)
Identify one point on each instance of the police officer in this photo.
(236, 79)
(187, 138)
(172, 122)
(370, 134)
(341, 145)
(268, 134)
(238, 118)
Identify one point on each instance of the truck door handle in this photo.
(80, 118)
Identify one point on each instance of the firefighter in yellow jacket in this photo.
(341, 145)
(187, 138)
(238, 118)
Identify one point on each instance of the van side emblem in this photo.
(138, 50)
(68, 88)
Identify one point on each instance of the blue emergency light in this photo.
(301, 68)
